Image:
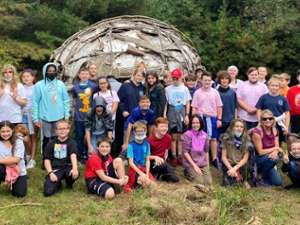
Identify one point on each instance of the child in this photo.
(291, 164)
(92, 67)
(235, 145)
(167, 79)
(50, 103)
(195, 151)
(28, 79)
(160, 142)
(142, 112)
(278, 105)
(82, 92)
(12, 97)
(98, 123)
(102, 172)
(12, 153)
(208, 104)
(60, 160)
(262, 74)
(284, 85)
(177, 111)
(229, 100)
(138, 154)
(156, 93)
(233, 72)
(190, 83)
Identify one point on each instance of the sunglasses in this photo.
(267, 118)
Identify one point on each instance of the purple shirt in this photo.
(195, 143)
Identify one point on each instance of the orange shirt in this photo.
(283, 91)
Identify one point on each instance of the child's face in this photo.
(93, 70)
(274, 87)
(104, 148)
(196, 124)
(206, 81)
(6, 133)
(232, 72)
(295, 149)
(151, 80)
(99, 110)
(103, 84)
(176, 81)
(168, 80)
(284, 81)
(224, 82)
(138, 77)
(199, 74)
(8, 74)
(262, 72)
(62, 130)
(84, 76)
(190, 83)
(27, 78)
(253, 76)
(238, 128)
(140, 133)
(162, 128)
(144, 104)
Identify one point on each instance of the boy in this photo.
(160, 142)
(190, 83)
(60, 160)
(142, 112)
(229, 100)
(284, 86)
(98, 123)
(138, 154)
(278, 105)
(102, 172)
(291, 164)
(208, 104)
(177, 111)
(262, 74)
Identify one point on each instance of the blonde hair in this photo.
(139, 124)
(14, 81)
(267, 112)
(285, 75)
(274, 78)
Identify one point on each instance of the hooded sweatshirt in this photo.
(50, 99)
(99, 124)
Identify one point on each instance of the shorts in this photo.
(99, 187)
(48, 129)
(27, 121)
(210, 127)
(133, 176)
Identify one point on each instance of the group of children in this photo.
(237, 126)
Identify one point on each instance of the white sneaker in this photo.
(31, 164)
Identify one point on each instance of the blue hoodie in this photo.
(50, 99)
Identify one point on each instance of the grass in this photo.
(165, 204)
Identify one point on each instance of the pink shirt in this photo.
(206, 101)
(250, 93)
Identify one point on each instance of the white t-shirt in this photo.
(178, 96)
(110, 97)
(236, 85)
(9, 109)
(28, 91)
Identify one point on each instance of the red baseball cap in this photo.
(176, 73)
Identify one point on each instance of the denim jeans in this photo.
(265, 167)
(79, 136)
(294, 172)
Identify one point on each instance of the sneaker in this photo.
(31, 164)
(127, 189)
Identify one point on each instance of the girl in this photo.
(111, 98)
(103, 173)
(28, 79)
(12, 97)
(233, 72)
(156, 93)
(235, 153)
(12, 152)
(266, 142)
(82, 94)
(195, 145)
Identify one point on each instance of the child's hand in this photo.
(186, 120)
(219, 123)
(74, 174)
(125, 114)
(124, 146)
(53, 177)
(158, 161)
(37, 124)
(273, 155)
(90, 149)
(232, 172)
(286, 158)
(198, 170)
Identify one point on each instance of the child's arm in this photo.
(88, 141)
(127, 137)
(114, 107)
(108, 179)
(246, 107)
(287, 121)
(74, 170)
(219, 116)
(187, 112)
(225, 159)
(10, 160)
(243, 161)
(50, 172)
(258, 113)
(192, 163)
(147, 165)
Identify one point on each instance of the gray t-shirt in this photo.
(19, 152)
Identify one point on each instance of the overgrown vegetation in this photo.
(225, 32)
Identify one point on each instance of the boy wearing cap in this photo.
(177, 112)
(208, 104)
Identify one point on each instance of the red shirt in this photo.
(293, 97)
(159, 147)
(95, 163)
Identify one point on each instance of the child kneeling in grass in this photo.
(60, 160)
(235, 144)
(102, 172)
(138, 154)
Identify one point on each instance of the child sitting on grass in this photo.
(291, 164)
(235, 146)
(138, 154)
(102, 172)
(60, 160)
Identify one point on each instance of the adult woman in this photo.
(266, 142)
(156, 93)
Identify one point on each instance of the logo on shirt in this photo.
(280, 102)
(297, 100)
(85, 100)
(60, 151)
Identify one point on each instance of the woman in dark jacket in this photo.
(156, 93)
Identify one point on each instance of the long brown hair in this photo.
(12, 139)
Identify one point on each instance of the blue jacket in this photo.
(51, 101)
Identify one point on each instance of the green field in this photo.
(166, 204)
